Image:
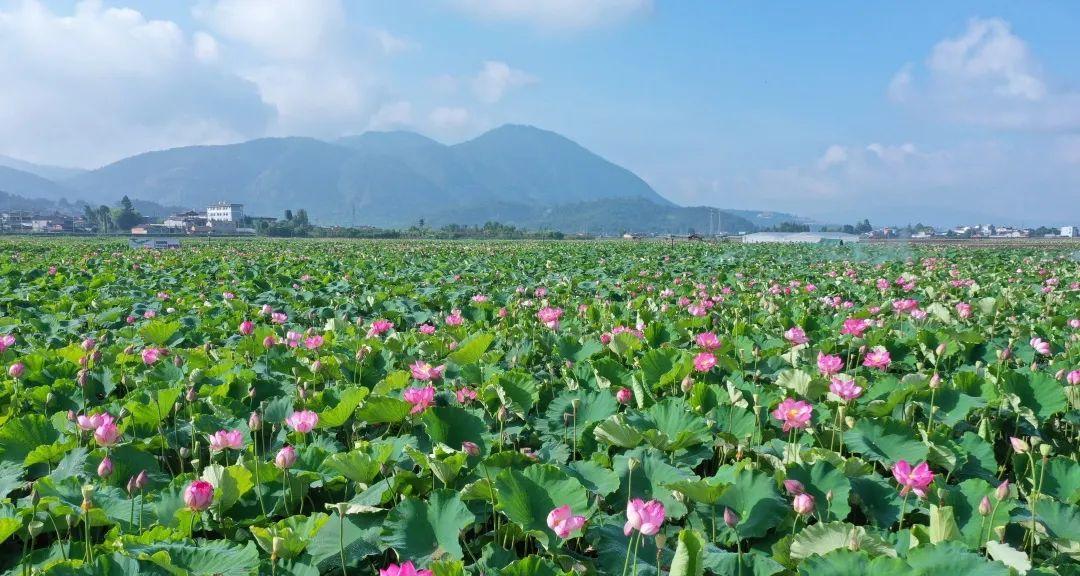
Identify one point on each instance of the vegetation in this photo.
(537, 408)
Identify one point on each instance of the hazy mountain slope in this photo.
(54, 173)
(30, 185)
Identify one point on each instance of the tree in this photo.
(126, 217)
(864, 226)
(288, 215)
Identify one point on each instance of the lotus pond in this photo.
(396, 408)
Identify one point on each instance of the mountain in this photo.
(515, 174)
(30, 185)
(55, 173)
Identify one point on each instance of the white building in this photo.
(225, 212)
(1070, 231)
(799, 238)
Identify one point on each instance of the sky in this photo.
(899, 112)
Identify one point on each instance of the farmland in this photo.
(303, 408)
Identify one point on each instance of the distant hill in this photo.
(769, 219)
(515, 174)
(55, 173)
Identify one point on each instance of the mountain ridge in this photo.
(394, 179)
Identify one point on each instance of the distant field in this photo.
(311, 407)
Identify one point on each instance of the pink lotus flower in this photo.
(404, 569)
(226, 440)
(149, 314)
(470, 448)
(6, 341)
(1041, 346)
(963, 310)
(796, 335)
(379, 327)
(107, 434)
(303, 421)
(420, 398)
(426, 372)
(803, 504)
(550, 316)
(1019, 445)
(427, 329)
(845, 388)
(91, 422)
(904, 305)
(479, 298)
(855, 327)
(16, 370)
(199, 495)
(285, 457)
(624, 396)
(1073, 378)
(915, 479)
(795, 414)
(829, 364)
(151, 355)
(279, 317)
(247, 327)
(645, 517)
(269, 341)
(465, 395)
(563, 522)
(708, 341)
(878, 357)
(454, 319)
(313, 342)
(266, 309)
(704, 362)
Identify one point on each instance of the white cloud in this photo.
(298, 54)
(896, 154)
(392, 115)
(449, 118)
(835, 154)
(206, 47)
(390, 43)
(98, 83)
(556, 14)
(987, 76)
(496, 78)
(280, 29)
(989, 54)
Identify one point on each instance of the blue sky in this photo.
(933, 111)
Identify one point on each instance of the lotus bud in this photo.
(96, 356)
(269, 342)
(71, 415)
(191, 395)
(131, 486)
(1035, 441)
(251, 392)
(1005, 353)
(940, 349)
(303, 393)
(255, 421)
(185, 452)
(470, 448)
(129, 350)
(984, 506)
(1000, 531)
(829, 496)
(730, 517)
(105, 468)
(687, 384)
(624, 396)
(502, 413)
(935, 381)
(316, 366)
(1002, 491)
(84, 361)
(1046, 450)
(83, 378)
(794, 487)
(36, 527)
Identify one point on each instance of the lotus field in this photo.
(303, 408)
